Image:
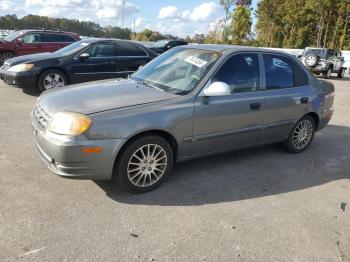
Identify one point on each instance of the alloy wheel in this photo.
(302, 134)
(147, 165)
(4, 57)
(53, 80)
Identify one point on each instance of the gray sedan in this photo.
(189, 102)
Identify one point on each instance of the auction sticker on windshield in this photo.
(195, 61)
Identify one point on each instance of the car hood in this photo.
(30, 58)
(98, 96)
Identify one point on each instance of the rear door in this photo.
(54, 41)
(101, 64)
(130, 58)
(235, 120)
(31, 43)
(288, 96)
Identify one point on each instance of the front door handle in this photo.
(304, 100)
(255, 106)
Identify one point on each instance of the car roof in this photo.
(47, 31)
(231, 48)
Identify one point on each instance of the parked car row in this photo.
(83, 61)
(323, 61)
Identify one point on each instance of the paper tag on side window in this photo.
(195, 61)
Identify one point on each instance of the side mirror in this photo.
(84, 56)
(299, 56)
(217, 89)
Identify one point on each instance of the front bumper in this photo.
(64, 155)
(21, 79)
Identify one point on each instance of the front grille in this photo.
(40, 117)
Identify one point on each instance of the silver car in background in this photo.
(189, 102)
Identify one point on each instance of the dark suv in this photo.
(163, 45)
(25, 42)
(323, 61)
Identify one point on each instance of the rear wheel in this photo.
(327, 74)
(6, 55)
(341, 73)
(144, 164)
(301, 135)
(52, 78)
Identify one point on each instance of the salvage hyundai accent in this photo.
(189, 102)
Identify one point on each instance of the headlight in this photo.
(20, 68)
(69, 123)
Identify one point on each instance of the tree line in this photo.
(279, 23)
(84, 28)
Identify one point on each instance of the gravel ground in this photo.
(253, 205)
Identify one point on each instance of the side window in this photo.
(126, 49)
(281, 72)
(32, 38)
(67, 39)
(240, 72)
(101, 50)
(52, 38)
(330, 52)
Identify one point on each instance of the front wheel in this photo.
(327, 74)
(51, 78)
(301, 135)
(144, 164)
(341, 73)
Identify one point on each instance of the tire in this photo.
(304, 129)
(327, 74)
(311, 60)
(6, 55)
(341, 72)
(57, 78)
(134, 174)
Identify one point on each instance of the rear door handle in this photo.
(255, 106)
(304, 100)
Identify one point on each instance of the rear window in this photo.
(126, 49)
(317, 51)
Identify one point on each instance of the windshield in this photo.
(13, 36)
(317, 51)
(73, 48)
(177, 71)
(160, 43)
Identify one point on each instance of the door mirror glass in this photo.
(84, 56)
(217, 89)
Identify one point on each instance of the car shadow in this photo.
(248, 174)
(31, 91)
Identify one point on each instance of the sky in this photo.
(177, 17)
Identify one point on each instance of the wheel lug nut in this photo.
(143, 168)
(149, 169)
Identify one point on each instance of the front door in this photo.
(31, 43)
(231, 121)
(101, 64)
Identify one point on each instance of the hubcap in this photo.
(53, 80)
(302, 134)
(147, 165)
